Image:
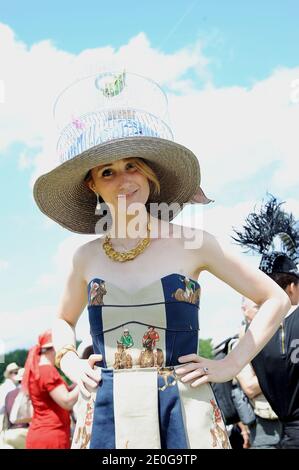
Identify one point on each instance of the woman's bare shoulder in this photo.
(178, 229)
(87, 249)
(186, 233)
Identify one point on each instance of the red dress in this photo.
(50, 426)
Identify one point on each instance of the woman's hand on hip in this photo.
(88, 376)
(197, 370)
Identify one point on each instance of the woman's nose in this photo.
(124, 179)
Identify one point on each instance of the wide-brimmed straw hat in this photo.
(105, 118)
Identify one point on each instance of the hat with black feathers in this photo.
(273, 233)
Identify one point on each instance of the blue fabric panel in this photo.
(103, 428)
(182, 317)
(172, 429)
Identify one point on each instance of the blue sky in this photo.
(246, 40)
(234, 61)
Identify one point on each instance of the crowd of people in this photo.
(38, 407)
(271, 380)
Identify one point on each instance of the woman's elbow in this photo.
(252, 390)
(64, 401)
(282, 303)
(285, 302)
(67, 404)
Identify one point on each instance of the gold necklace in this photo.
(126, 255)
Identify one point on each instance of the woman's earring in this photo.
(98, 206)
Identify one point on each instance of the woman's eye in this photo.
(130, 166)
(107, 172)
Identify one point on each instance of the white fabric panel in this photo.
(136, 416)
(118, 316)
(204, 428)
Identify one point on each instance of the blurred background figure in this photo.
(51, 399)
(17, 425)
(265, 432)
(235, 407)
(251, 421)
(84, 408)
(9, 384)
(274, 233)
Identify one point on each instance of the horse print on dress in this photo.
(189, 293)
(151, 356)
(97, 292)
(169, 377)
(122, 359)
(218, 432)
(127, 339)
(83, 434)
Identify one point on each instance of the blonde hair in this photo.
(144, 169)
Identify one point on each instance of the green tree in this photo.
(19, 356)
(205, 348)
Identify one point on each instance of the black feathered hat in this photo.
(275, 234)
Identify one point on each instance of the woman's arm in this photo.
(246, 377)
(249, 382)
(253, 284)
(63, 397)
(72, 304)
(245, 433)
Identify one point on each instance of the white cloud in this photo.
(60, 264)
(4, 264)
(236, 132)
(2, 91)
(220, 309)
(24, 161)
(15, 334)
(14, 331)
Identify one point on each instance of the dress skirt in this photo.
(149, 408)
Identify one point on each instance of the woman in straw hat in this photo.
(118, 155)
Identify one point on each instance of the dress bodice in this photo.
(141, 402)
(150, 327)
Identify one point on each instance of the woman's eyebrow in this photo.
(104, 166)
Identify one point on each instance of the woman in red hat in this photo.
(51, 400)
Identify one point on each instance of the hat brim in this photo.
(62, 195)
(8, 372)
